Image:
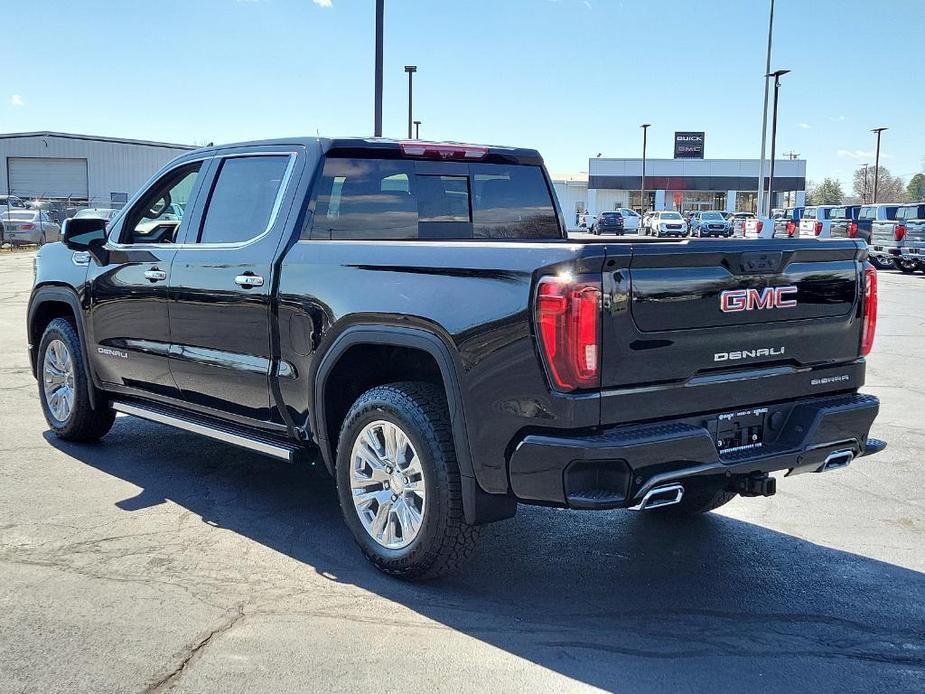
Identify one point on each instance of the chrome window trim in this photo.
(274, 213)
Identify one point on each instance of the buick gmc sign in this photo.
(688, 145)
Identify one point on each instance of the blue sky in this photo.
(569, 77)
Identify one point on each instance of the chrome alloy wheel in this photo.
(387, 483)
(58, 380)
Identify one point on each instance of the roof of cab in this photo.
(380, 146)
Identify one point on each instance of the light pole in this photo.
(417, 130)
(410, 69)
(764, 113)
(377, 98)
(642, 189)
(776, 75)
(877, 162)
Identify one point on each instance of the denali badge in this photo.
(109, 352)
(748, 354)
(733, 300)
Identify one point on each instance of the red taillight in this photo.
(27, 227)
(870, 309)
(853, 230)
(759, 226)
(791, 228)
(899, 232)
(818, 228)
(568, 325)
(438, 150)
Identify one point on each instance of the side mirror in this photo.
(86, 235)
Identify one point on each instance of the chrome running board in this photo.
(274, 450)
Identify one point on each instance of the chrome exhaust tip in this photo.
(665, 495)
(836, 460)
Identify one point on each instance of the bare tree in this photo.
(890, 188)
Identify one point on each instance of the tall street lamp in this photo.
(642, 189)
(764, 112)
(377, 97)
(410, 69)
(417, 130)
(776, 75)
(877, 162)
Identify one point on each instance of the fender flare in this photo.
(478, 506)
(393, 336)
(59, 294)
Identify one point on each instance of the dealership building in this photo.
(83, 170)
(686, 182)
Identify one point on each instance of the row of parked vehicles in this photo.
(37, 222)
(894, 232)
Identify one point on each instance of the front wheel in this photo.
(906, 266)
(64, 386)
(398, 482)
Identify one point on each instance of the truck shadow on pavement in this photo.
(618, 600)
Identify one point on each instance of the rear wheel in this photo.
(64, 386)
(398, 482)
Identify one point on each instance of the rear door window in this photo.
(395, 199)
(243, 198)
(867, 213)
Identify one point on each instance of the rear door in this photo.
(221, 284)
(678, 316)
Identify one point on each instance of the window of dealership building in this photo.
(677, 184)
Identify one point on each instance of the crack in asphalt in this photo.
(166, 681)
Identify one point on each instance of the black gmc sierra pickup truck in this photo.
(414, 315)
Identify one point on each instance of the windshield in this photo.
(610, 216)
(713, 216)
(913, 212)
(93, 214)
(670, 215)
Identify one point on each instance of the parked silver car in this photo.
(23, 227)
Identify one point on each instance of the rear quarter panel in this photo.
(474, 296)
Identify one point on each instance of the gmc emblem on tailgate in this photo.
(733, 300)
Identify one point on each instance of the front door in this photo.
(128, 293)
(221, 283)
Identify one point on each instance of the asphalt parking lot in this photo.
(159, 561)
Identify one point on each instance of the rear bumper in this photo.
(615, 468)
(884, 251)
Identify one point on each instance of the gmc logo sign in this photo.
(733, 300)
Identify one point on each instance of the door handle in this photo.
(248, 281)
(155, 275)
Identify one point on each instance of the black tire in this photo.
(906, 266)
(83, 423)
(696, 500)
(444, 540)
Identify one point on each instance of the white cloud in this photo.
(836, 119)
(322, 3)
(861, 154)
(16, 100)
(805, 126)
(854, 153)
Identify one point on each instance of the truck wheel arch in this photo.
(46, 304)
(479, 506)
(391, 336)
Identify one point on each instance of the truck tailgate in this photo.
(722, 312)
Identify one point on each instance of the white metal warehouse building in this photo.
(82, 169)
